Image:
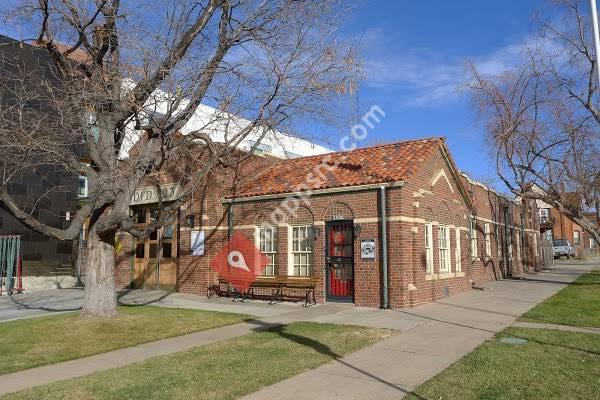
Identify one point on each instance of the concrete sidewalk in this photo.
(56, 301)
(432, 337)
(443, 333)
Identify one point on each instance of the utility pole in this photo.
(594, 13)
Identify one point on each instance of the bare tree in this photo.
(126, 79)
(543, 119)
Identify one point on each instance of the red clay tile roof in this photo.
(378, 164)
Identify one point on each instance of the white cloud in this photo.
(422, 77)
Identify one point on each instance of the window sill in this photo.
(446, 275)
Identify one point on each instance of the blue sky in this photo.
(414, 56)
(415, 53)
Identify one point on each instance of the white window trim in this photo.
(428, 249)
(518, 240)
(577, 240)
(86, 189)
(272, 254)
(499, 242)
(473, 237)
(291, 265)
(488, 240)
(444, 233)
(457, 252)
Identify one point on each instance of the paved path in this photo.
(558, 327)
(432, 337)
(49, 302)
(449, 329)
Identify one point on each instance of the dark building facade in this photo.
(48, 192)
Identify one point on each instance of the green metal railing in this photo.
(10, 263)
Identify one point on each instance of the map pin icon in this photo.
(236, 260)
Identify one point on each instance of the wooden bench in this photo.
(306, 284)
(276, 284)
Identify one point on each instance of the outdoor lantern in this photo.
(315, 232)
(190, 220)
(357, 229)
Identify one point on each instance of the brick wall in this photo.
(434, 194)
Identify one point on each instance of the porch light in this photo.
(315, 232)
(357, 229)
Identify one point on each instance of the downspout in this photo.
(507, 261)
(229, 221)
(384, 245)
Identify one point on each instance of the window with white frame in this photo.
(457, 251)
(499, 241)
(576, 237)
(444, 239)
(548, 235)
(473, 237)
(429, 249)
(302, 250)
(518, 240)
(82, 186)
(592, 243)
(267, 244)
(488, 240)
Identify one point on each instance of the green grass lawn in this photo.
(552, 365)
(223, 370)
(39, 341)
(578, 304)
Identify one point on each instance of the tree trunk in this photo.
(100, 299)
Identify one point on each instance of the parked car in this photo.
(563, 248)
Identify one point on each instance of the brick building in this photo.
(556, 225)
(393, 225)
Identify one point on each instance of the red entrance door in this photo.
(340, 261)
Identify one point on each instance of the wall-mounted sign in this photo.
(150, 194)
(197, 243)
(367, 249)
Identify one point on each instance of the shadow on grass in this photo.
(321, 348)
(26, 304)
